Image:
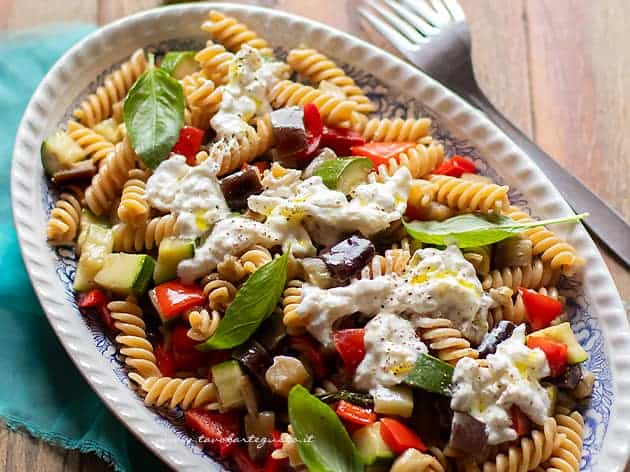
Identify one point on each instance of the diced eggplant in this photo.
(570, 379)
(255, 358)
(490, 341)
(346, 258)
(288, 131)
(239, 186)
(78, 173)
(259, 427)
(272, 332)
(467, 433)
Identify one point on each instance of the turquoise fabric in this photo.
(41, 391)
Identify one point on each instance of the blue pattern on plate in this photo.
(389, 104)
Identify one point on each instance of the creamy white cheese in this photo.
(231, 236)
(245, 95)
(511, 378)
(391, 349)
(193, 194)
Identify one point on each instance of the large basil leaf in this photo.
(322, 440)
(253, 303)
(475, 229)
(154, 115)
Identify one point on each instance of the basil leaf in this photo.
(323, 442)
(253, 303)
(179, 64)
(154, 115)
(475, 229)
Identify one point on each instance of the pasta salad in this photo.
(312, 286)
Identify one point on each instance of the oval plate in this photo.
(597, 313)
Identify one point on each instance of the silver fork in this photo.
(434, 36)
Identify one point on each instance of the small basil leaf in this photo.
(179, 64)
(475, 229)
(154, 115)
(253, 303)
(323, 442)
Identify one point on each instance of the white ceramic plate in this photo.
(598, 315)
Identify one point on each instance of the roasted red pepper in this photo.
(456, 166)
(242, 460)
(314, 126)
(350, 346)
(557, 353)
(106, 318)
(93, 299)
(189, 143)
(541, 309)
(165, 361)
(520, 421)
(219, 431)
(312, 353)
(355, 414)
(399, 437)
(341, 140)
(174, 297)
(185, 355)
(380, 153)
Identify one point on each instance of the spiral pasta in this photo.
(133, 207)
(135, 346)
(421, 193)
(547, 245)
(567, 455)
(291, 298)
(99, 105)
(466, 195)
(289, 450)
(535, 275)
(202, 324)
(231, 153)
(513, 309)
(95, 145)
(220, 292)
(202, 98)
(63, 224)
(214, 61)
(232, 34)
(420, 160)
(393, 262)
(397, 129)
(231, 269)
(254, 258)
(334, 111)
(111, 177)
(447, 342)
(129, 238)
(316, 67)
(185, 393)
(480, 258)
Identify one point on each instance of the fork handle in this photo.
(603, 221)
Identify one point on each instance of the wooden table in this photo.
(557, 68)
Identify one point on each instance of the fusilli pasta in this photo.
(447, 342)
(535, 275)
(421, 160)
(214, 61)
(232, 34)
(567, 455)
(513, 309)
(291, 298)
(421, 193)
(466, 195)
(397, 129)
(129, 238)
(65, 217)
(133, 207)
(94, 144)
(393, 262)
(220, 293)
(202, 324)
(202, 98)
(185, 393)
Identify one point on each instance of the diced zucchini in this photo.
(371, 447)
(179, 64)
(126, 273)
(97, 244)
(396, 400)
(431, 374)
(344, 174)
(564, 334)
(171, 252)
(109, 129)
(227, 379)
(59, 151)
(87, 219)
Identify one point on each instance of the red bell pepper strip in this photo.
(350, 346)
(165, 361)
(355, 414)
(185, 355)
(557, 353)
(219, 430)
(520, 421)
(341, 140)
(106, 318)
(380, 153)
(189, 143)
(174, 297)
(399, 437)
(93, 299)
(456, 166)
(541, 309)
(308, 347)
(275, 465)
(243, 462)
(314, 126)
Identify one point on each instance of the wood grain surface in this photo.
(557, 68)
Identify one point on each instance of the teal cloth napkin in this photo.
(41, 390)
